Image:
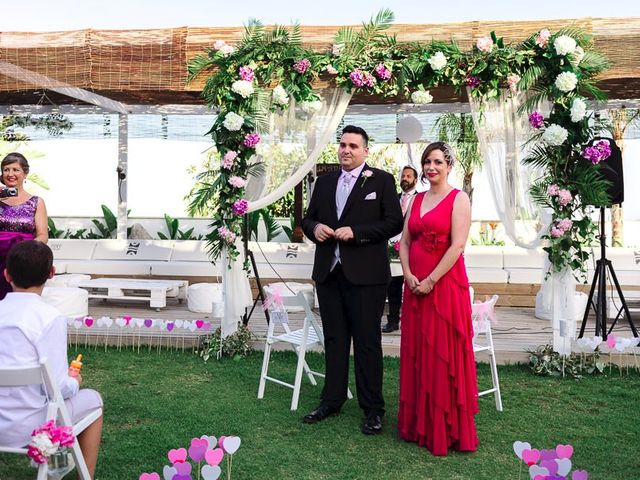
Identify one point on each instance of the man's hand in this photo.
(323, 232)
(344, 234)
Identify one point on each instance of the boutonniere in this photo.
(366, 175)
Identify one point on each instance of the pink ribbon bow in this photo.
(274, 299)
(485, 310)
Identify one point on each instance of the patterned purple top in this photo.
(19, 218)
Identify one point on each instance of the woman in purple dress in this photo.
(23, 216)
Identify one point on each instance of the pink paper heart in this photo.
(579, 475)
(177, 455)
(611, 341)
(199, 323)
(207, 326)
(197, 449)
(214, 457)
(540, 477)
(548, 454)
(149, 476)
(564, 451)
(531, 457)
(88, 321)
(221, 440)
(550, 465)
(183, 468)
(127, 319)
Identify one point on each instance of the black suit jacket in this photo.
(364, 259)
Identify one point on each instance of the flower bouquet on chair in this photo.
(49, 444)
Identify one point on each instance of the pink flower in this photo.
(382, 72)
(536, 120)
(362, 79)
(565, 224)
(485, 44)
(512, 82)
(564, 197)
(251, 140)
(218, 44)
(301, 66)
(246, 73)
(396, 246)
(227, 235)
(331, 70)
(237, 182)
(543, 38)
(553, 190)
(599, 151)
(556, 232)
(472, 81)
(35, 454)
(240, 207)
(228, 159)
(366, 175)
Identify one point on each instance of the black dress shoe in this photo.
(390, 327)
(372, 425)
(319, 414)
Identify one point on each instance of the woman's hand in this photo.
(424, 287)
(412, 281)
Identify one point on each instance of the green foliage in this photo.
(545, 361)
(174, 232)
(271, 226)
(107, 226)
(487, 235)
(54, 123)
(237, 345)
(289, 229)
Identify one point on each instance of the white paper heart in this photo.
(231, 445)
(179, 323)
(535, 470)
(77, 323)
(168, 472)
(139, 322)
(160, 324)
(519, 446)
(70, 321)
(564, 466)
(213, 441)
(210, 472)
(192, 327)
(120, 322)
(108, 321)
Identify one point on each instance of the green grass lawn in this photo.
(155, 402)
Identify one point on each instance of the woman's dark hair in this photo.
(446, 150)
(29, 263)
(14, 157)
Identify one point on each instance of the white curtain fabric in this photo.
(502, 134)
(293, 144)
(236, 291)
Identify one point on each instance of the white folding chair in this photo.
(482, 326)
(56, 410)
(309, 336)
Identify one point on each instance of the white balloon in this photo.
(409, 129)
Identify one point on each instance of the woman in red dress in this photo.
(438, 389)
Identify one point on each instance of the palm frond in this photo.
(530, 77)
(535, 97)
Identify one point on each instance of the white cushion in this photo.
(67, 280)
(71, 301)
(189, 251)
(291, 289)
(71, 249)
(202, 296)
(110, 267)
(129, 250)
(185, 269)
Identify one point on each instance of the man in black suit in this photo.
(351, 216)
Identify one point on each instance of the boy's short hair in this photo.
(29, 263)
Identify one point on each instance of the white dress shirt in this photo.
(30, 330)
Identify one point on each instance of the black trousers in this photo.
(352, 312)
(394, 295)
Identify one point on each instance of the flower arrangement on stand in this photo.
(48, 442)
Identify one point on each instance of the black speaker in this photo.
(611, 170)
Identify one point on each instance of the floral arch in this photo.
(268, 70)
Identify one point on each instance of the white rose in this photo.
(437, 61)
(280, 96)
(311, 107)
(564, 45)
(566, 81)
(242, 88)
(233, 122)
(227, 50)
(43, 443)
(554, 135)
(421, 97)
(578, 110)
(576, 57)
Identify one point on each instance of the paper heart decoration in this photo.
(611, 341)
(198, 448)
(121, 322)
(77, 323)
(199, 323)
(183, 468)
(519, 446)
(531, 457)
(108, 321)
(170, 326)
(139, 322)
(535, 470)
(69, 321)
(540, 477)
(179, 323)
(148, 322)
(221, 441)
(177, 455)
(168, 472)
(564, 466)
(192, 327)
(88, 321)
(207, 326)
(213, 441)
(182, 477)
(548, 454)
(550, 465)
(231, 445)
(214, 457)
(564, 451)
(579, 475)
(210, 472)
(127, 319)
(149, 476)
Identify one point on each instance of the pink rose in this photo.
(543, 38)
(251, 140)
(564, 197)
(228, 159)
(301, 66)
(246, 73)
(382, 72)
(485, 44)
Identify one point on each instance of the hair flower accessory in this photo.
(366, 175)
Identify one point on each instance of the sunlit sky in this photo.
(55, 15)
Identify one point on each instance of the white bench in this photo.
(153, 291)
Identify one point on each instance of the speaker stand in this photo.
(260, 296)
(604, 267)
